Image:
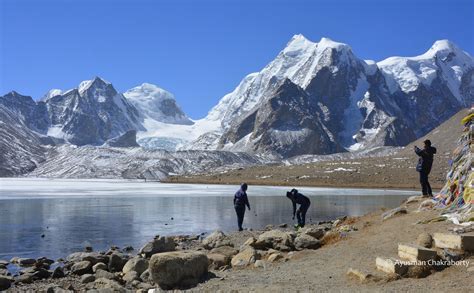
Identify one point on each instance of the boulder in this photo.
(25, 279)
(104, 274)
(275, 239)
(305, 241)
(392, 213)
(216, 239)
(58, 272)
(181, 269)
(260, 264)
(244, 258)
(44, 261)
(112, 285)
(116, 262)
(225, 250)
(26, 261)
(145, 276)
(5, 282)
(99, 266)
(248, 243)
(82, 267)
(92, 257)
(4, 271)
(424, 240)
(130, 276)
(275, 257)
(41, 274)
(317, 233)
(217, 260)
(136, 264)
(159, 244)
(87, 278)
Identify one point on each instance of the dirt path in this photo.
(325, 269)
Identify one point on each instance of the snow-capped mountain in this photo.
(313, 98)
(356, 104)
(162, 118)
(157, 104)
(91, 114)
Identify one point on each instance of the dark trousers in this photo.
(301, 214)
(425, 185)
(240, 211)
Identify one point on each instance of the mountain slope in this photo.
(360, 104)
(20, 150)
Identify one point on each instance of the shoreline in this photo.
(343, 242)
(201, 181)
(182, 180)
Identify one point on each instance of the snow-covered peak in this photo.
(157, 104)
(298, 44)
(328, 43)
(444, 57)
(86, 84)
(148, 91)
(51, 93)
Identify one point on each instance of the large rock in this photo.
(244, 258)
(392, 213)
(92, 257)
(178, 269)
(26, 261)
(111, 285)
(425, 240)
(159, 244)
(82, 267)
(58, 273)
(225, 250)
(305, 241)
(317, 233)
(99, 266)
(116, 262)
(217, 260)
(104, 275)
(216, 239)
(5, 282)
(136, 264)
(275, 239)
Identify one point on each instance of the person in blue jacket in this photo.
(240, 201)
(303, 201)
(425, 162)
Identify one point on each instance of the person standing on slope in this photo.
(240, 201)
(303, 201)
(425, 162)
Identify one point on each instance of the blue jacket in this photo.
(425, 162)
(241, 199)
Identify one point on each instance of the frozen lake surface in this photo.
(73, 213)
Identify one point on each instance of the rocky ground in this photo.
(315, 258)
(375, 172)
(396, 169)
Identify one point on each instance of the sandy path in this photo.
(325, 269)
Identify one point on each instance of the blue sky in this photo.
(200, 50)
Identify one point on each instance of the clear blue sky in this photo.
(200, 50)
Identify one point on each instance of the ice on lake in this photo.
(73, 213)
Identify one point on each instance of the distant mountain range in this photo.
(313, 98)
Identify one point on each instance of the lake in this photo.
(43, 217)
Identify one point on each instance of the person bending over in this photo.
(425, 162)
(303, 201)
(240, 201)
